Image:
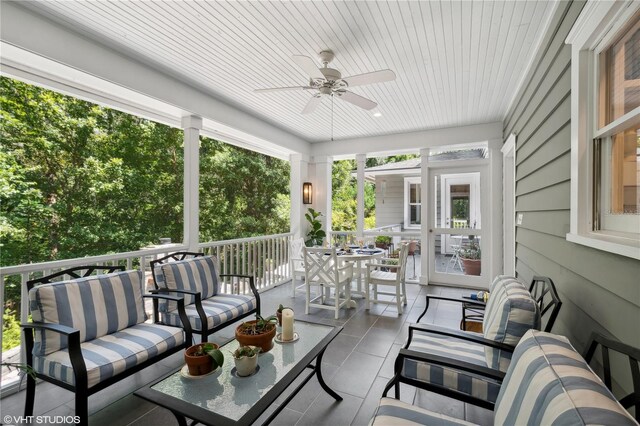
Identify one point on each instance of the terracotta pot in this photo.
(472, 266)
(198, 364)
(246, 365)
(264, 341)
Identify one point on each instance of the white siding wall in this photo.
(390, 208)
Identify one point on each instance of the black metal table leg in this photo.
(318, 369)
(181, 420)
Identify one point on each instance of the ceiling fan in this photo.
(329, 82)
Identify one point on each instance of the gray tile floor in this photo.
(357, 364)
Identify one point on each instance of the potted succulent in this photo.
(246, 359)
(281, 307)
(471, 257)
(259, 332)
(315, 234)
(203, 358)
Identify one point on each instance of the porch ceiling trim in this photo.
(27, 30)
(380, 146)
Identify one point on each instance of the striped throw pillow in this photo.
(197, 274)
(96, 305)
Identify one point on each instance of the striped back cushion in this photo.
(502, 280)
(96, 305)
(197, 274)
(548, 382)
(510, 312)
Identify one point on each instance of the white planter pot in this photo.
(245, 366)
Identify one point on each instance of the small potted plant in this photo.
(246, 359)
(259, 332)
(471, 257)
(281, 307)
(203, 358)
(383, 242)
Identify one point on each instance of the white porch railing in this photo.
(265, 257)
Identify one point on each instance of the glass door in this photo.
(455, 226)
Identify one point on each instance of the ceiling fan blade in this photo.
(312, 105)
(282, 89)
(370, 78)
(309, 66)
(357, 100)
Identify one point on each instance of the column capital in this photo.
(424, 152)
(361, 157)
(318, 159)
(192, 122)
(298, 157)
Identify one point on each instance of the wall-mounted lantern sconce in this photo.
(307, 191)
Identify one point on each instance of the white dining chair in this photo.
(296, 264)
(323, 270)
(385, 272)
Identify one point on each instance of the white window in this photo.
(412, 202)
(605, 127)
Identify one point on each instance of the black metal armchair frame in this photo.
(542, 289)
(633, 354)
(630, 400)
(81, 389)
(205, 332)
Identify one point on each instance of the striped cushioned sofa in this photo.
(92, 331)
(510, 312)
(547, 382)
(208, 306)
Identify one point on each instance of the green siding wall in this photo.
(600, 291)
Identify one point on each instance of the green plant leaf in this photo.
(218, 357)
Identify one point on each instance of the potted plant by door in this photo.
(246, 359)
(259, 332)
(203, 358)
(471, 257)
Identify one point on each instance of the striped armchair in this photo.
(92, 331)
(197, 277)
(480, 360)
(547, 382)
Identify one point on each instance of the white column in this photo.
(495, 249)
(191, 125)
(425, 216)
(360, 162)
(322, 190)
(299, 175)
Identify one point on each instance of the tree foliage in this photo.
(78, 179)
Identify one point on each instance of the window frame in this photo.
(594, 30)
(408, 181)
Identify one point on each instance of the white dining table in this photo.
(359, 256)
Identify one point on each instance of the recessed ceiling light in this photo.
(377, 114)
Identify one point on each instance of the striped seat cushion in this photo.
(448, 378)
(219, 310)
(384, 275)
(550, 383)
(197, 274)
(510, 312)
(112, 354)
(96, 306)
(394, 412)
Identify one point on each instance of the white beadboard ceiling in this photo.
(457, 62)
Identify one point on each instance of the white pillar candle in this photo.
(287, 324)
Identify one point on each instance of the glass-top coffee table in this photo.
(222, 398)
